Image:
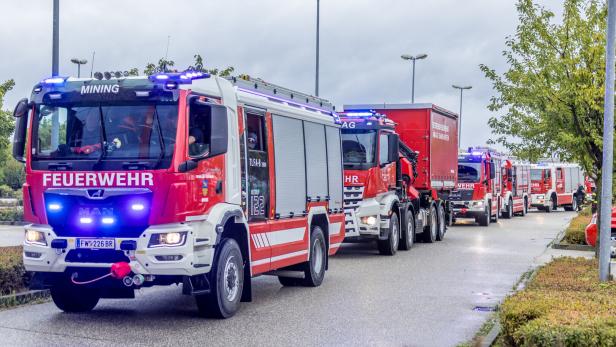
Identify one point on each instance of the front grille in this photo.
(96, 256)
(352, 198)
(461, 195)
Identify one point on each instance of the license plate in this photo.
(96, 243)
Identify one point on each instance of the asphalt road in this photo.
(424, 297)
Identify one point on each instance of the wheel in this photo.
(484, 220)
(227, 282)
(549, 207)
(73, 299)
(408, 234)
(430, 231)
(573, 206)
(509, 213)
(495, 218)
(442, 223)
(389, 246)
(314, 268)
(524, 208)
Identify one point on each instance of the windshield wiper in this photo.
(103, 140)
(160, 139)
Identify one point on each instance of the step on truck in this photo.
(478, 193)
(398, 162)
(555, 185)
(516, 188)
(176, 178)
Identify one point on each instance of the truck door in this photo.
(387, 166)
(560, 180)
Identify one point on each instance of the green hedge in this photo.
(563, 305)
(13, 276)
(575, 232)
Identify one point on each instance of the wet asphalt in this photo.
(432, 295)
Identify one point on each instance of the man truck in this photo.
(176, 178)
(516, 188)
(398, 165)
(554, 185)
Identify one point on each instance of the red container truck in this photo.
(516, 188)
(390, 197)
(554, 185)
(478, 193)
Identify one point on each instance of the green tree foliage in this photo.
(7, 124)
(550, 99)
(165, 65)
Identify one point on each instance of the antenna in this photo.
(92, 64)
(166, 54)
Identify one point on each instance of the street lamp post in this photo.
(316, 82)
(413, 59)
(79, 62)
(462, 88)
(55, 46)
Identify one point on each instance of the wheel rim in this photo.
(231, 279)
(441, 226)
(433, 225)
(574, 204)
(409, 232)
(317, 256)
(395, 235)
(510, 208)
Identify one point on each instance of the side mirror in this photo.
(21, 109)
(21, 126)
(188, 165)
(394, 149)
(219, 133)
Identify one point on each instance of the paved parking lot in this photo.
(424, 297)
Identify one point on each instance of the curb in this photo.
(15, 222)
(489, 339)
(573, 247)
(23, 298)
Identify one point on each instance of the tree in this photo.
(7, 124)
(164, 65)
(551, 97)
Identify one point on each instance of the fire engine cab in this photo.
(554, 185)
(478, 193)
(516, 188)
(176, 178)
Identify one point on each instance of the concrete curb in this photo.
(489, 339)
(573, 247)
(15, 222)
(23, 298)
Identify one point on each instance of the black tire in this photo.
(484, 220)
(509, 213)
(573, 206)
(524, 208)
(549, 207)
(226, 281)
(408, 234)
(389, 246)
(430, 231)
(442, 223)
(314, 268)
(73, 299)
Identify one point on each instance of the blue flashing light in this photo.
(54, 81)
(476, 153)
(85, 220)
(185, 77)
(360, 114)
(137, 207)
(54, 207)
(108, 220)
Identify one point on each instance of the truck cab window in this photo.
(383, 149)
(255, 138)
(199, 130)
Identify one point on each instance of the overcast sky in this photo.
(361, 44)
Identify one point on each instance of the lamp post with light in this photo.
(462, 88)
(79, 62)
(413, 59)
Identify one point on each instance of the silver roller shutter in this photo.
(289, 166)
(316, 160)
(334, 158)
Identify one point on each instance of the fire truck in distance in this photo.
(554, 185)
(176, 178)
(478, 193)
(398, 163)
(516, 188)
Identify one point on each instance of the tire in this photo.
(227, 283)
(408, 234)
(524, 208)
(429, 233)
(314, 268)
(484, 220)
(390, 245)
(72, 299)
(442, 223)
(509, 213)
(549, 207)
(573, 206)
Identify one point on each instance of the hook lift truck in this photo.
(400, 160)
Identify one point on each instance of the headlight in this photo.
(35, 237)
(167, 239)
(478, 204)
(369, 220)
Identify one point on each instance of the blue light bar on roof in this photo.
(185, 77)
(54, 80)
(360, 114)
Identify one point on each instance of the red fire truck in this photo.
(398, 163)
(478, 193)
(516, 188)
(176, 178)
(554, 185)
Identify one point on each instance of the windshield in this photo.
(469, 172)
(358, 147)
(535, 174)
(128, 132)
